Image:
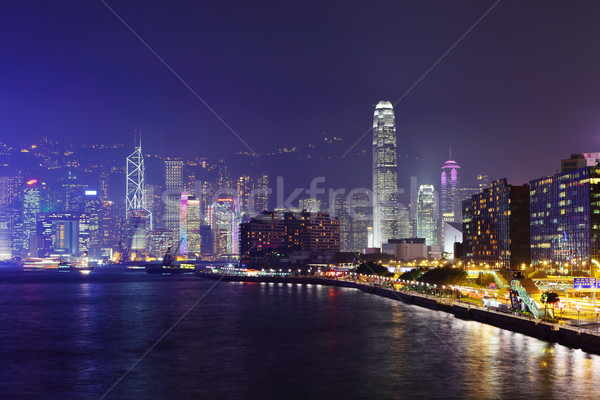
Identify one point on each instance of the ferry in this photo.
(82, 265)
(41, 264)
(168, 265)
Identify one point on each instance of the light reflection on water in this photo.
(72, 337)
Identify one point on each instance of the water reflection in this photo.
(74, 339)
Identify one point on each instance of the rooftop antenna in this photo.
(450, 152)
(137, 138)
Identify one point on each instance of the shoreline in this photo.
(574, 338)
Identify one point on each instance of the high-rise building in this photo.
(174, 174)
(63, 233)
(6, 219)
(138, 218)
(385, 175)
(340, 211)
(565, 220)
(91, 217)
(496, 226)
(450, 183)
(174, 187)
(31, 208)
(189, 226)
(428, 215)
(245, 186)
(183, 218)
(194, 238)
(261, 195)
(412, 206)
(224, 218)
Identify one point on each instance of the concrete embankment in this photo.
(567, 336)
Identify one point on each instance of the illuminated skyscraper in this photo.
(174, 174)
(193, 227)
(385, 175)
(450, 182)
(224, 218)
(174, 187)
(261, 195)
(183, 231)
(138, 217)
(244, 189)
(428, 215)
(31, 208)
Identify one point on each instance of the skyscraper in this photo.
(496, 224)
(385, 175)
(174, 187)
(428, 215)
(31, 208)
(138, 218)
(450, 182)
(261, 195)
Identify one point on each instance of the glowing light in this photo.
(31, 182)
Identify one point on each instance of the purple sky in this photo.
(517, 94)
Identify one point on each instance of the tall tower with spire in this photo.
(450, 182)
(385, 175)
(138, 217)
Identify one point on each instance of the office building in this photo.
(565, 220)
(385, 175)
(450, 183)
(288, 232)
(173, 187)
(428, 215)
(496, 226)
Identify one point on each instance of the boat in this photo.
(169, 266)
(41, 264)
(82, 265)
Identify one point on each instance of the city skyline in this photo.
(269, 199)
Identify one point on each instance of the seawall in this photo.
(564, 335)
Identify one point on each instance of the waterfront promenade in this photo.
(567, 335)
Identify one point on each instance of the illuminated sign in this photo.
(91, 193)
(584, 283)
(32, 182)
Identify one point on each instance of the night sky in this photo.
(517, 94)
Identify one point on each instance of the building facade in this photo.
(496, 226)
(449, 183)
(565, 220)
(174, 188)
(428, 215)
(290, 231)
(385, 175)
